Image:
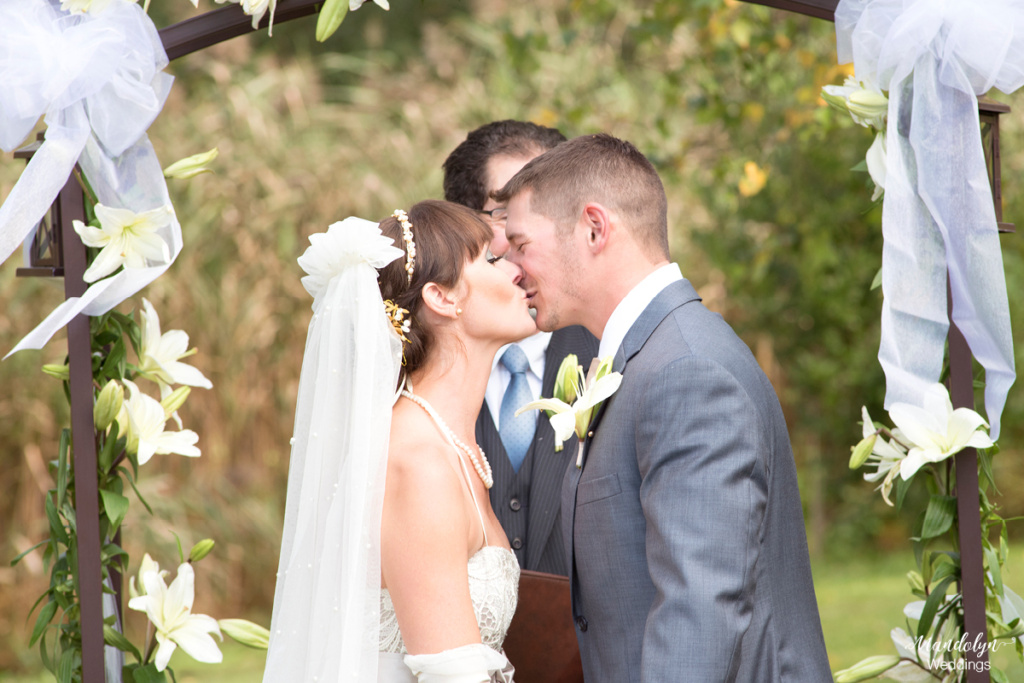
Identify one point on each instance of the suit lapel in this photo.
(672, 297)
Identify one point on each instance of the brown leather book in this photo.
(541, 642)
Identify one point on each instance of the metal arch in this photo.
(224, 23)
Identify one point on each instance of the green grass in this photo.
(860, 601)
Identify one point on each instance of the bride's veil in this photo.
(327, 604)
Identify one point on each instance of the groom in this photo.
(686, 543)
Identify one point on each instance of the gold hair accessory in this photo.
(398, 318)
(410, 245)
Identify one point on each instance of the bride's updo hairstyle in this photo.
(446, 235)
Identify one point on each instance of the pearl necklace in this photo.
(482, 467)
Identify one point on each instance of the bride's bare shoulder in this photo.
(417, 453)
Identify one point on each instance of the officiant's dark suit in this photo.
(527, 501)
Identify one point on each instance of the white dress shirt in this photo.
(535, 347)
(632, 305)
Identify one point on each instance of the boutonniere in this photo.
(577, 397)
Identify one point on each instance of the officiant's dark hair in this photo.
(596, 168)
(446, 236)
(465, 169)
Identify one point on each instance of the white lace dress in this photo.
(494, 590)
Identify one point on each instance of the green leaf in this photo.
(66, 666)
(112, 636)
(56, 525)
(62, 465)
(131, 481)
(938, 518)
(997, 675)
(985, 465)
(877, 281)
(995, 570)
(113, 366)
(116, 506)
(938, 595)
(149, 674)
(181, 553)
(902, 486)
(42, 621)
(26, 552)
(331, 15)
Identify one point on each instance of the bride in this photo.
(393, 566)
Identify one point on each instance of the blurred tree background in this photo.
(767, 220)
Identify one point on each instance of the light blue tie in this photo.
(516, 432)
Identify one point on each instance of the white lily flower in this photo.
(256, 9)
(170, 612)
(885, 455)
(143, 418)
(576, 417)
(876, 164)
(936, 431)
(148, 565)
(908, 649)
(160, 354)
(126, 239)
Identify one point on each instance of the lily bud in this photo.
(565, 387)
(175, 400)
(189, 167)
(868, 106)
(58, 371)
(245, 632)
(867, 668)
(332, 13)
(108, 405)
(834, 100)
(916, 581)
(862, 450)
(605, 368)
(200, 550)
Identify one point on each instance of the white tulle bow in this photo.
(98, 80)
(934, 57)
(345, 244)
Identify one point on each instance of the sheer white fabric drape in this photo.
(933, 57)
(99, 81)
(326, 616)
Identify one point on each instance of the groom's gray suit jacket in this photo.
(685, 535)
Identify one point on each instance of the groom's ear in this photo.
(439, 300)
(596, 219)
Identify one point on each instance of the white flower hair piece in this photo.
(346, 244)
(410, 244)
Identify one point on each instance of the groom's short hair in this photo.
(596, 168)
(465, 169)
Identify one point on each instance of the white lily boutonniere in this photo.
(576, 400)
(125, 238)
